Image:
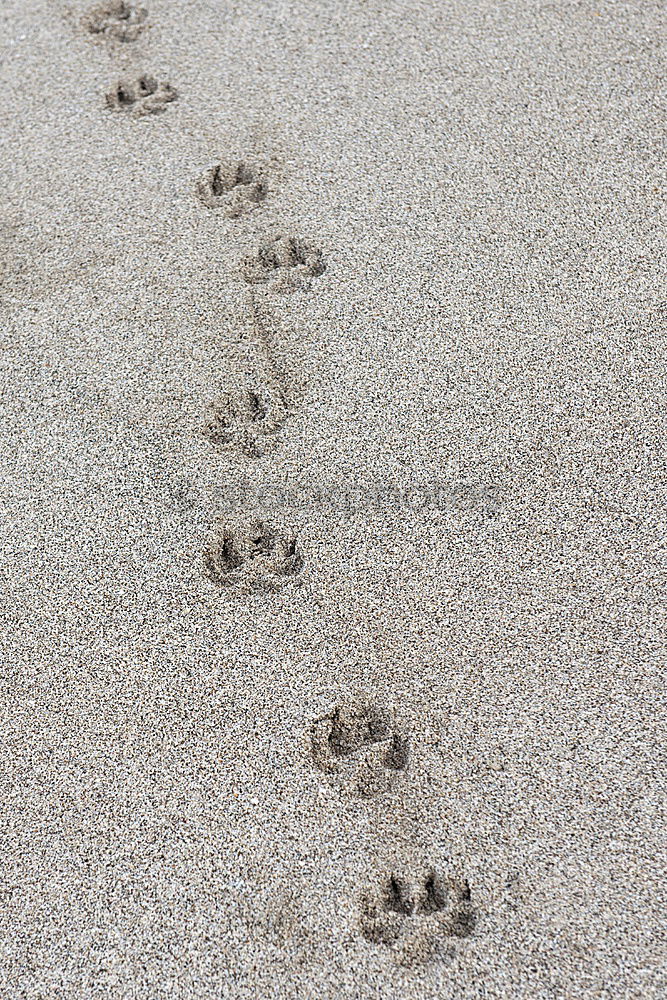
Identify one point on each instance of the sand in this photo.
(333, 483)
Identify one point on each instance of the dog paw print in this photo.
(360, 744)
(285, 262)
(144, 96)
(247, 420)
(415, 916)
(236, 188)
(119, 20)
(253, 558)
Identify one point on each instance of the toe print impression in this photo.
(253, 557)
(360, 743)
(286, 263)
(415, 914)
(234, 187)
(116, 19)
(144, 96)
(247, 420)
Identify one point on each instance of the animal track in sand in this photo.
(360, 743)
(253, 557)
(287, 263)
(415, 914)
(143, 96)
(116, 19)
(234, 187)
(247, 419)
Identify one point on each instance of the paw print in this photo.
(415, 915)
(253, 557)
(236, 188)
(361, 744)
(116, 19)
(144, 96)
(247, 420)
(285, 262)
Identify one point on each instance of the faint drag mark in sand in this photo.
(414, 914)
(253, 557)
(235, 188)
(360, 743)
(140, 97)
(282, 919)
(285, 263)
(248, 416)
(278, 912)
(116, 19)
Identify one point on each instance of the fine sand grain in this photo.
(334, 356)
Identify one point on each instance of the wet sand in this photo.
(333, 484)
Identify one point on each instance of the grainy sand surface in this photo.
(413, 488)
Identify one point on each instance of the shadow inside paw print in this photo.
(144, 96)
(286, 262)
(247, 420)
(116, 19)
(360, 743)
(415, 915)
(236, 188)
(254, 557)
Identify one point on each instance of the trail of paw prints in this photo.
(116, 19)
(360, 745)
(254, 557)
(416, 914)
(285, 263)
(234, 187)
(140, 97)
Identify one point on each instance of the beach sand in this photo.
(333, 486)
